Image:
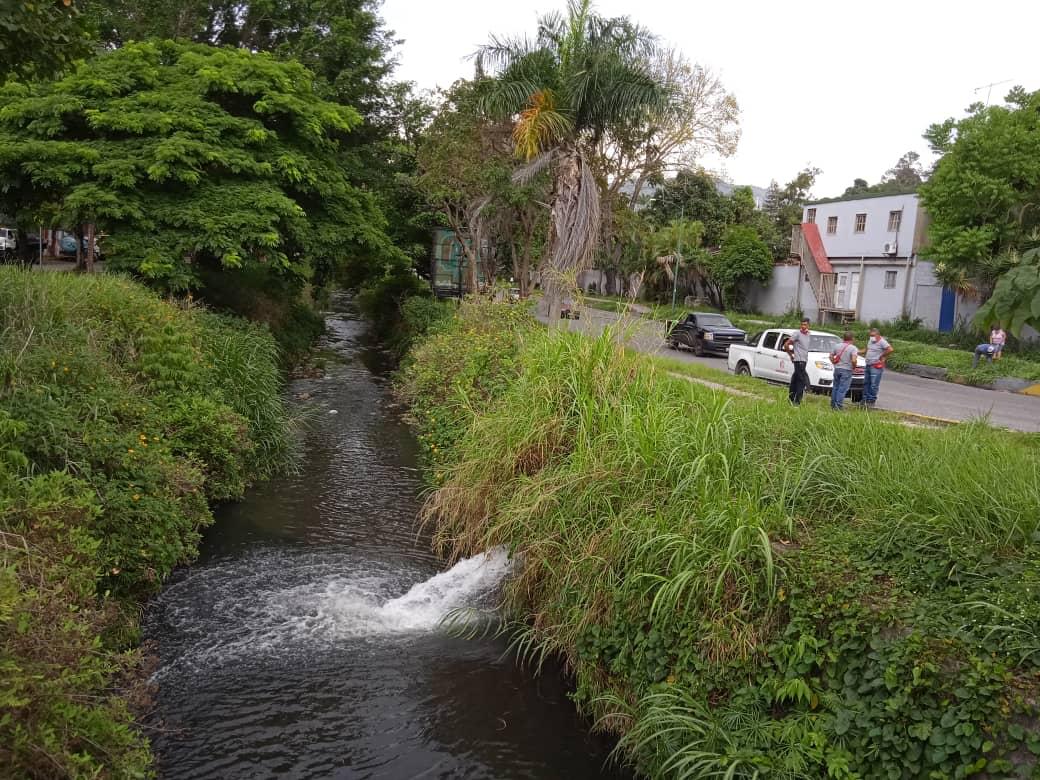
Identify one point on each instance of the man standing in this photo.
(878, 351)
(843, 357)
(797, 346)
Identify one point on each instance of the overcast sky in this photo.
(846, 87)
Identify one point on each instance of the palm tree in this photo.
(582, 77)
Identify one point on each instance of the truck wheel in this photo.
(698, 347)
(743, 369)
(857, 396)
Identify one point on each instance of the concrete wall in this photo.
(780, 295)
(847, 243)
(879, 302)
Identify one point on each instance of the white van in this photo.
(8, 239)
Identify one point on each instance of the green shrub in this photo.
(460, 367)
(121, 416)
(744, 589)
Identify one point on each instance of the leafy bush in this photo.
(744, 589)
(120, 416)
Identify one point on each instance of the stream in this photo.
(305, 641)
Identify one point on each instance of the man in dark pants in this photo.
(797, 346)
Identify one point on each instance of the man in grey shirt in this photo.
(797, 346)
(878, 350)
(843, 357)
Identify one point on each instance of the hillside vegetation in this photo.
(122, 417)
(742, 589)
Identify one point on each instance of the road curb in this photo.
(1002, 384)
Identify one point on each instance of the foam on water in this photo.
(277, 606)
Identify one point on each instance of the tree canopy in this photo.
(743, 257)
(188, 156)
(984, 202)
(39, 39)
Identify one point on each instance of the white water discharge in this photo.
(281, 604)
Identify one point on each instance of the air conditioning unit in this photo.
(890, 248)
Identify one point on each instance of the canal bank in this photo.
(305, 640)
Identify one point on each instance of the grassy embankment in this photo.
(742, 589)
(121, 418)
(952, 351)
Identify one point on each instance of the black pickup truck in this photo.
(705, 333)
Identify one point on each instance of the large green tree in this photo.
(984, 194)
(191, 157)
(581, 77)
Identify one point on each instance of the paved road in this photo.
(899, 392)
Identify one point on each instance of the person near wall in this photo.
(797, 346)
(997, 337)
(844, 358)
(988, 351)
(878, 350)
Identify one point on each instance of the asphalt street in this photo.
(899, 392)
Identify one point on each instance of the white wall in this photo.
(780, 294)
(847, 243)
(879, 302)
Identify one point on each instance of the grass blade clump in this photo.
(742, 588)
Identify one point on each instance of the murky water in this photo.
(305, 641)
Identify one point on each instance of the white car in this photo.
(762, 356)
(8, 239)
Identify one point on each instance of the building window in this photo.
(890, 276)
(810, 216)
(832, 225)
(861, 223)
(895, 219)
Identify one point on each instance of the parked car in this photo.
(703, 332)
(8, 241)
(763, 356)
(67, 246)
(568, 311)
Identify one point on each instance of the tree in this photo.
(692, 195)
(743, 257)
(582, 78)
(699, 117)
(907, 173)
(784, 208)
(984, 194)
(40, 39)
(464, 160)
(859, 187)
(190, 158)
(676, 251)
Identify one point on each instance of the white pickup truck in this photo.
(762, 355)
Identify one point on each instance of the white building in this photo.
(857, 258)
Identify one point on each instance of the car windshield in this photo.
(823, 343)
(714, 320)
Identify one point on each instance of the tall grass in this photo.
(713, 567)
(121, 417)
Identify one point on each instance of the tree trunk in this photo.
(574, 228)
(90, 248)
(78, 233)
